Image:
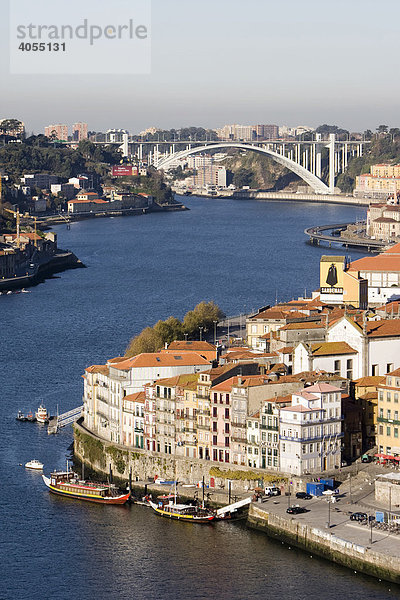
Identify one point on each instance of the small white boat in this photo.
(42, 415)
(34, 464)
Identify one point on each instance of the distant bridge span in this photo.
(312, 180)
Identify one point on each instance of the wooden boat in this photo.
(67, 483)
(166, 506)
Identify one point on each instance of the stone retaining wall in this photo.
(325, 544)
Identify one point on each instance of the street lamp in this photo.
(201, 332)
(215, 332)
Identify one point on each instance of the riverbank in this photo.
(284, 197)
(37, 272)
(49, 221)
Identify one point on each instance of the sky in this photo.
(214, 62)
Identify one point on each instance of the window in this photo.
(388, 431)
(396, 432)
(380, 395)
(349, 368)
(388, 396)
(226, 427)
(227, 442)
(215, 411)
(336, 367)
(215, 455)
(375, 370)
(214, 426)
(227, 413)
(214, 440)
(389, 368)
(227, 398)
(396, 397)
(380, 429)
(389, 414)
(381, 413)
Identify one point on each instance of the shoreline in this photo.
(62, 260)
(283, 197)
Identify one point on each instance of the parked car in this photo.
(366, 458)
(358, 516)
(296, 510)
(272, 491)
(303, 496)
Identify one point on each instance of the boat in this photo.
(167, 506)
(34, 464)
(42, 415)
(67, 483)
(31, 417)
(21, 417)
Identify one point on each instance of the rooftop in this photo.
(331, 349)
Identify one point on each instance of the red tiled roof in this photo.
(160, 359)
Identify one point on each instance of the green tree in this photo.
(382, 129)
(243, 177)
(202, 315)
(147, 341)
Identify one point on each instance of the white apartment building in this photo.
(106, 386)
(311, 431)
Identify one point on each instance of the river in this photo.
(242, 254)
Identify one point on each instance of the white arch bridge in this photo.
(301, 157)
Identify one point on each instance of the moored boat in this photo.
(42, 415)
(166, 506)
(34, 464)
(67, 483)
(21, 417)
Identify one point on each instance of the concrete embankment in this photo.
(48, 265)
(286, 197)
(323, 543)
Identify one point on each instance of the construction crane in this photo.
(16, 215)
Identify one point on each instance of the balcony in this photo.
(388, 421)
(239, 439)
(205, 411)
(204, 427)
(240, 425)
(326, 438)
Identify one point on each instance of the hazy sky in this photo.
(228, 61)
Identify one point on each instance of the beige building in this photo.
(382, 180)
(388, 439)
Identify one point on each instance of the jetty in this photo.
(56, 423)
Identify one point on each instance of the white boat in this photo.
(42, 415)
(34, 464)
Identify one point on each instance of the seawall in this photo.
(100, 455)
(325, 544)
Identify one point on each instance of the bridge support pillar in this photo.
(332, 163)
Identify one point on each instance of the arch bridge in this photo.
(301, 157)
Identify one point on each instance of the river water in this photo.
(242, 254)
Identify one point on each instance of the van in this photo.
(272, 491)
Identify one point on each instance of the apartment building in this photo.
(388, 440)
(311, 430)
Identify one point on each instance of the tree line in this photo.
(153, 339)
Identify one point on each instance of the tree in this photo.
(169, 330)
(10, 126)
(243, 177)
(203, 315)
(147, 341)
(382, 129)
